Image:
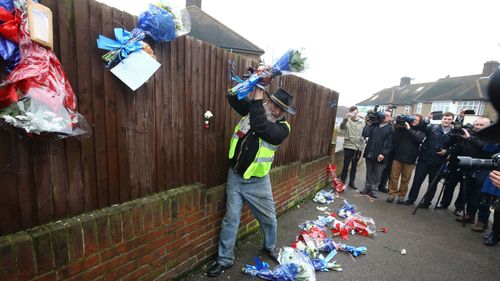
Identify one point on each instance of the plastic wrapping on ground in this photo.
(284, 64)
(282, 272)
(337, 184)
(346, 210)
(37, 96)
(361, 225)
(323, 197)
(304, 264)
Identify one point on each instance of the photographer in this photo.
(406, 142)
(379, 145)
(353, 144)
(472, 147)
(431, 158)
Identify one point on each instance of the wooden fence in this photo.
(145, 141)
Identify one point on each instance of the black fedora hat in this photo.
(492, 132)
(283, 100)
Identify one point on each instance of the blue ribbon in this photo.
(127, 42)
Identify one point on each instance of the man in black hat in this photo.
(251, 152)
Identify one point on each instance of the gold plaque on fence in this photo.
(40, 23)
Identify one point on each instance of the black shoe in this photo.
(390, 199)
(273, 254)
(351, 185)
(364, 192)
(373, 195)
(439, 206)
(423, 206)
(491, 241)
(383, 189)
(408, 202)
(217, 269)
(458, 213)
(401, 201)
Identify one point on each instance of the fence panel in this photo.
(145, 141)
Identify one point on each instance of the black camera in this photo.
(375, 117)
(469, 163)
(402, 119)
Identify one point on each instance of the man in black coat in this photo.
(406, 142)
(431, 158)
(378, 147)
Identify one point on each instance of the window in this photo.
(443, 106)
(382, 107)
(477, 106)
(419, 108)
(407, 109)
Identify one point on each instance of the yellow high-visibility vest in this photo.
(264, 157)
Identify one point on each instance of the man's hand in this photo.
(466, 133)
(380, 158)
(407, 126)
(495, 178)
(442, 152)
(258, 94)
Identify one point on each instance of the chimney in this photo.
(196, 3)
(490, 67)
(405, 81)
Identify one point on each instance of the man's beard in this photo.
(269, 115)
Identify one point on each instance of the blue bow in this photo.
(126, 42)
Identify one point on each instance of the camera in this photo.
(401, 119)
(469, 163)
(375, 117)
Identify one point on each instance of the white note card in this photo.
(136, 69)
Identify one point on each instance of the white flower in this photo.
(403, 252)
(208, 114)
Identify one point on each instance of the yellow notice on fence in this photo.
(136, 69)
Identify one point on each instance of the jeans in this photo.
(257, 193)
(351, 157)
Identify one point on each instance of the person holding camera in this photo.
(353, 144)
(492, 186)
(431, 158)
(406, 142)
(379, 145)
(474, 179)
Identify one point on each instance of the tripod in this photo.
(443, 170)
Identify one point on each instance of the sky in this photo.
(358, 48)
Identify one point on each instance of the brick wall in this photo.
(160, 236)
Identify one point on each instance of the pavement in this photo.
(438, 247)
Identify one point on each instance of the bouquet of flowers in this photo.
(37, 96)
(291, 61)
(163, 22)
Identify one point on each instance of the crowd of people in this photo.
(395, 147)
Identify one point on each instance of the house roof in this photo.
(471, 87)
(397, 95)
(206, 28)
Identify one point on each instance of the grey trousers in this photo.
(374, 171)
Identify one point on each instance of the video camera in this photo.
(402, 119)
(457, 129)
(375, 117)
(469, 163)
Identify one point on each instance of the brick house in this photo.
(446, 94)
